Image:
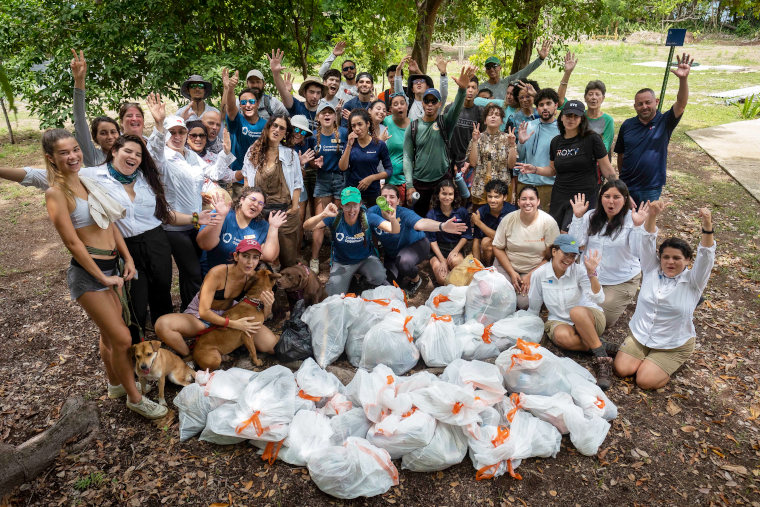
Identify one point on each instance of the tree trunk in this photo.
(7, 121)
(524, 48)
(423, 35)
(23, 463)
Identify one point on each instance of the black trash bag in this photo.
(295, 341)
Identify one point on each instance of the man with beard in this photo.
(493, 70)
(212, 119)
(268, 105)
(533, 139)
(312, 90)
(348, 87)
(331, 80)
(642, 143)
(365, 96)
(244, 124)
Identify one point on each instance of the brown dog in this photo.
(210, 346)
(154, 363)
(302, 283)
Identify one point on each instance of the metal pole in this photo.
(665, 79)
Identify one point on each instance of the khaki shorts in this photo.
(669, 360)
(618, 297)
(599, 323)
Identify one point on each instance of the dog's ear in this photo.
(156, 345)
(275, 276)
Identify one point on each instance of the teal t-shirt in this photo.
(395, 144)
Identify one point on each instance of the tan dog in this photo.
(154, 363)
(210, 346)
(301, 282)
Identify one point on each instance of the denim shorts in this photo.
(330, 184)
(80, 281)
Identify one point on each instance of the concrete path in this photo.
(736, 148)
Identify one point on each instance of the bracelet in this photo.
(226, 322)
(196, 219)
(593, 274)
(706, 231)
(440, 226)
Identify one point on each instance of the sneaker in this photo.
(611, 348)
(147, 408)
(314, 266)
(115, 392)
(603, 372)
(414, 287)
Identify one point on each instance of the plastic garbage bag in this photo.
(476, 374)
(490, 417)
(265, 408)
(372, 311)
(193, 407)
(352, 423)
(438, 344)
(217, 429)
(476, 340)
(227, 384)
(390, 342)
(447, 403)
(336, 405)
(309, 432)
(533, 437)
(402, 433)
(357, 468)
(591, 398)
(490, 297)
(490, 454)
(521, 324)
(352, 388)
(377, 392)
(328, 322)
(420, 318)
(448, 300)
(316, 382)
(447, 448)
(406, 385)
(385, 292)
(295, 341)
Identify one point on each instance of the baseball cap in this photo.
(248, 244)
(350, 194)
(174, 121)
(254, 73)
(323, 104)
(493, 59)
(567, 243)
(432, 91)
(574, 107)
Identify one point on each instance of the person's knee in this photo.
(624, 366)
(579, 314)
(486, 246)
(649, 382)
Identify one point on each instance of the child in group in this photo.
(447, 249)
(485, 220)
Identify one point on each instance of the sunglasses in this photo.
(300, 131)
(197, 136)
(246, 102)
(491, 66)
(279, 127)
(349, 67)
(418, 81)
(196, 86)
(432, 100)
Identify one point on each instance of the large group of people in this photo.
(391, 181)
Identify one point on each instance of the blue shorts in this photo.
(649, 194)
(330, 184)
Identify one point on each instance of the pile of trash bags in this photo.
(349, 436)
(476, 321)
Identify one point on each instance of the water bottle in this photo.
(382, 203)
(415, 197)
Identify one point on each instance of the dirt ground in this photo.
(694, 442)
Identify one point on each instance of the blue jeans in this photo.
(648, 194)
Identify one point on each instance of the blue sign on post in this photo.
(676, 36)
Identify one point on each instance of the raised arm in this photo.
(682, 73)
(442, 63)
(157, 139)
(338, 50)
(570, 61)
(81, 127)
(228, 95)
(528, 69)
(275, 65)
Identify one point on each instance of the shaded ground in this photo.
(696, 441)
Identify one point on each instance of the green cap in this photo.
(493, 59)
(350, 194)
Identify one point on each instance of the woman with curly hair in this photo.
(272, 165)
(447, 248)
(492, 153)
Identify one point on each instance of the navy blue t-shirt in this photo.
(645, 150)
(364, 161)
(329, 148)
(489, 220)
(392, 243)
(444, 237)
(229, 238)
(352, 104)
(242, 136)
(349, 244)
(299, 107)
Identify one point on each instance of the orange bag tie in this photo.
(387, 466)
(305, 396)
(395, 310)
(526, 346)
(440, 298)
(457, 407)
(349, 295)
(502, 433)
(254, 420)
(487, 472)
(599, 403)
(515, 398)
(487, 333)
(444, 318)
(478, 267)
(383, 302)
(389, 379)
(271, 452)
(408, 334)
(527, 355)
(512, 472)
(402, 291)
(407, 414)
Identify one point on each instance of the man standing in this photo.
(268, 105)
(385, 95)
(245, 127)
(197, 90)
(365, 88)
(348, 68)
(642, 143)
(419, 82)
(312, 90)
(213, 122)
(499, 86)
(331, 80)
(426, 159)
(468, 117)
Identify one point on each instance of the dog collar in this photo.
(254, 302)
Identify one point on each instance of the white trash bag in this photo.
(390, 342)
(217, 430)
(476, 339)
(448, 403)
(193, 407)
(490, 297)
(357, 468)
(377, 392)
(308, 433)
(531, 369)
(491, 453)
(521, 324)
(400, 434)
(438, 343)
(228, 384)
(448, 447)
(385, 292)
(336, 405)
(372, 311)
(420, 317)
(316, 382)
(266, 406)
(328, 322)
(591, 398)
(475, 374)
(352, 423)
(448, 300)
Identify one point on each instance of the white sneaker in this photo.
(115, 392)
(314, 266)
(147, 408)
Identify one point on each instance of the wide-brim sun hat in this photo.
(311, 81)
(195, 78)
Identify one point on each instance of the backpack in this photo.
(266, 102)
(441, 128)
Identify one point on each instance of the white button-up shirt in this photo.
(560, 295)
(620, 252)
(291, 168)
(665, 309)
(183, 176)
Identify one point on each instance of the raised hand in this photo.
(385, 135)
(511, 136)
(413, 67)
(464, 77)
(522, 133)
(220, 204)
(227, 142)
(403, 62)
(331, 210)
(684, 66)
(345, 113)
(639, 216)
(545, 48)
(306, 157)
(706, 216)
(441, 63)
(275, 61)
(157, 109)
(208, 217)
(187, 112)
(657, 207)
(78, 69)
(579, 204)
(288, 78)
(339, 48)
(591, 261)
(476, 132)
(570, 61)
(352, 136)
(277, 219)
(527, 87)
(389, 215)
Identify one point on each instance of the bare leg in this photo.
(105, 355)
(584, 325)
(319, 234)
(174, 327)
(265, 340)
(476, 248)
(651, 376)
(626, 365)
(566, 337)
(486, 251)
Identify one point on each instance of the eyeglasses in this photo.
(255, 201)
(491, 66)
(349, 67)
(418, 81)
(244, 102)
(300, 131)
(277, 126)
(196, 86)
(197, 136)
(430, 100)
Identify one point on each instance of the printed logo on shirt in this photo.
(468, 124)
(339, 236)
(255, 134)
(568, 152)
(435, 126)
(371, 152)
(226, 237)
